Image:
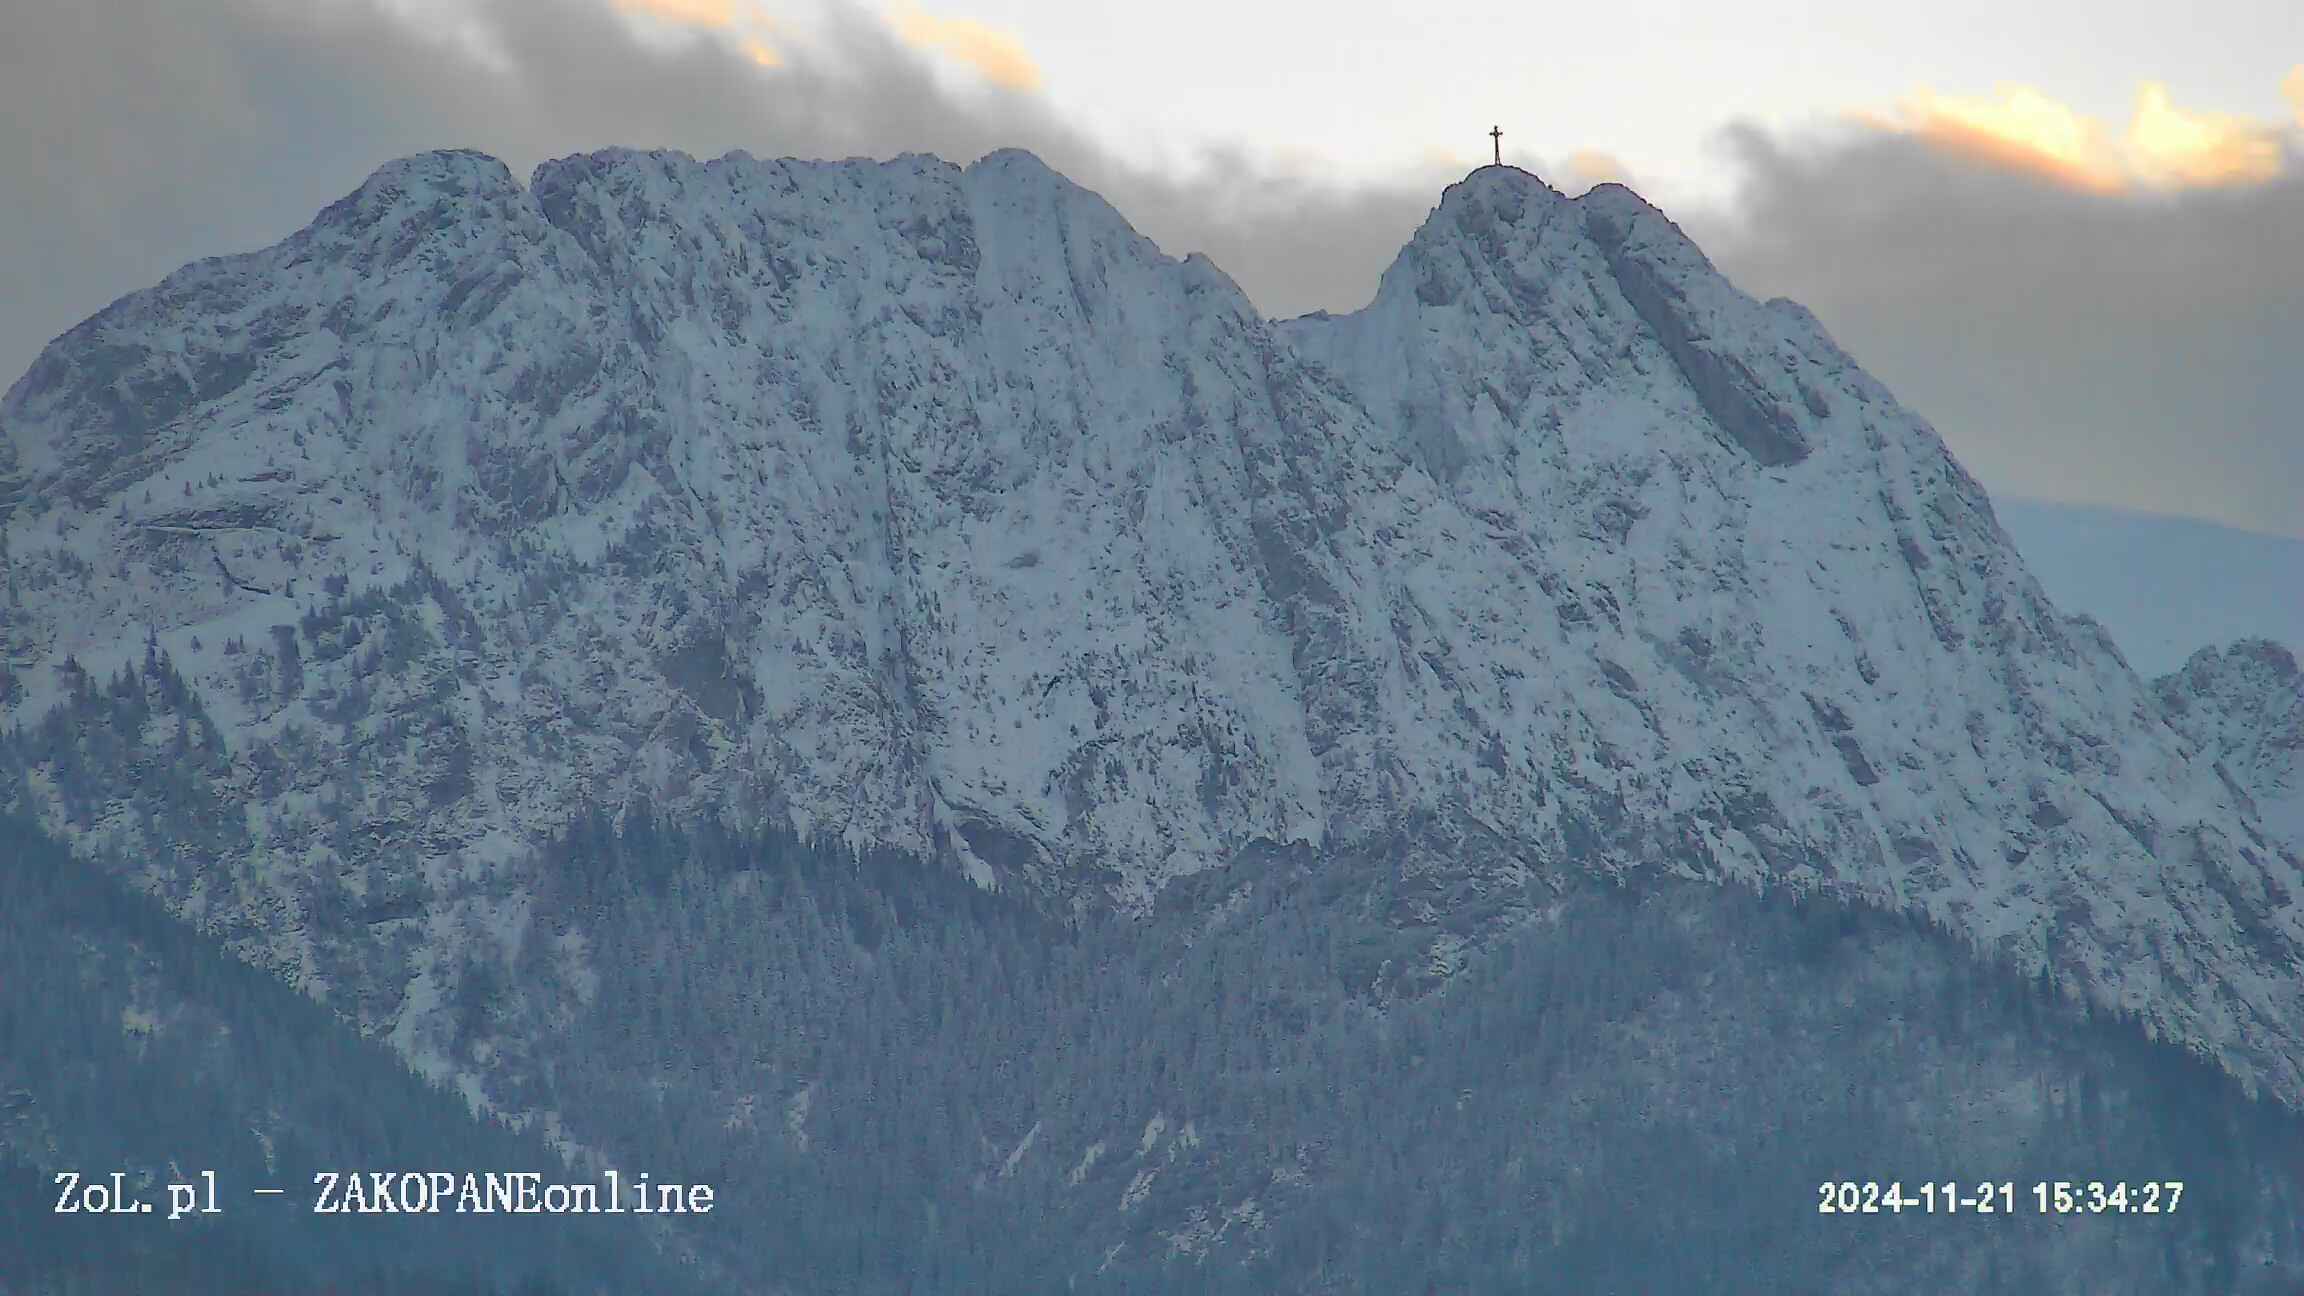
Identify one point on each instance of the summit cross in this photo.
(1496, 137)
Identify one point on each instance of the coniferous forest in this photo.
(899, 1082)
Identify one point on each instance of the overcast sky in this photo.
(2070, 233)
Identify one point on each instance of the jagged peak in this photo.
(467, 172)
(1497, 176)
(1016, 166)
(405, 188)
(2273, 656)
(1614, 196)
(1481, 225)
(1018, 179)
(1023, 171)
(924, 164)
(1204, 270)
(1624, 222)
(1491, 196)
(2255, 658)
(1020, 160)
(577, 168)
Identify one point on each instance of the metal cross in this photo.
(1496, 137)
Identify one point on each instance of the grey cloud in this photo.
(161, 132)
(2069, 347)
(2137, 351)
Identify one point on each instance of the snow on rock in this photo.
(933, 507)
(2244, 706)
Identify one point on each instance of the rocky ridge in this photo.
(933, 508)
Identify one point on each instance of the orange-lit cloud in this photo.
(2021, 128)
(993, 53)
(746, 22)
(2163, 147)
(2178, 149)
(2293, 87)
(691, 13)
(1589, 167)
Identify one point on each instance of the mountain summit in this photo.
(934, 509)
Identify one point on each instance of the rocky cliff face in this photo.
(2244, 706)
(933, 508)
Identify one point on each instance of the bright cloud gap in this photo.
(2163, 147)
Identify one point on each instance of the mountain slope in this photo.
(933, 509)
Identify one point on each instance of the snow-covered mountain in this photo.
(2244, 706)
(934, 508)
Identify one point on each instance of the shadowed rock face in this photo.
(1735, 398)
(935, 509)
